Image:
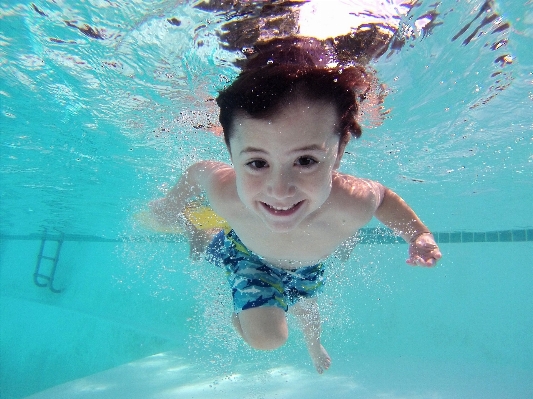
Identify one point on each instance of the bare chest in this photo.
(298, 248)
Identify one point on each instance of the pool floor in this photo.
(168, 375)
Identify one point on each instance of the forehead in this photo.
(297, 122)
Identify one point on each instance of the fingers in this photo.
(419, 261)
(424, 253)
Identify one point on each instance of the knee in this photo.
(267, 340)
(263, 328)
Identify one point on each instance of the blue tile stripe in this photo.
(486, 236)
(385, 236)
(366, 236)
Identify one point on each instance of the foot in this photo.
(320, 357)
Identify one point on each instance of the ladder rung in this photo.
(50, 277)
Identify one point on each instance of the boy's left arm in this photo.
(394, 213)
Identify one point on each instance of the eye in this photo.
(306, 161)
(257, 164)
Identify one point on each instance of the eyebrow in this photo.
(252, 149)
(313, 147)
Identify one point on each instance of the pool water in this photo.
(93, 128)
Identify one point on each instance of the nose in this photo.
(281, 185)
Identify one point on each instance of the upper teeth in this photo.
(281, 209)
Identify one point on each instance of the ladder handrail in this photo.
(49, 278)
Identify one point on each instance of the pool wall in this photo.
(106, 313)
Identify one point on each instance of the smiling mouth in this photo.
(282, 211)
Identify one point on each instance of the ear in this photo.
(340, 153)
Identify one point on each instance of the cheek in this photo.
(320, 184)
(247, 187)
(325, 187)
(325, 175)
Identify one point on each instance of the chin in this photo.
(281, 223)
(281, 227)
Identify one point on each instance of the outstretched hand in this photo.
(424, 251)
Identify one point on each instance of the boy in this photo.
(286, 126)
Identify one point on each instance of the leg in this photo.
(198, 241)
(306, 311)
(264, 327)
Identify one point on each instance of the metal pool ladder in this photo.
(47, 280)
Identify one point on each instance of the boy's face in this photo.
(284, 165)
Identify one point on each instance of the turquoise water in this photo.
(92, 129)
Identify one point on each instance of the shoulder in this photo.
(358, 197)
(357, 189)
(218, 182)
(208, 169)
(211, 174)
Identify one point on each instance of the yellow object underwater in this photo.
(204, 218)
(200, 216)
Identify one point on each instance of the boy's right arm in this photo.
(197, 178)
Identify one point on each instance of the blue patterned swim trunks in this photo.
(254, 283)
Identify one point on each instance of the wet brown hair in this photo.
(287, 69)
